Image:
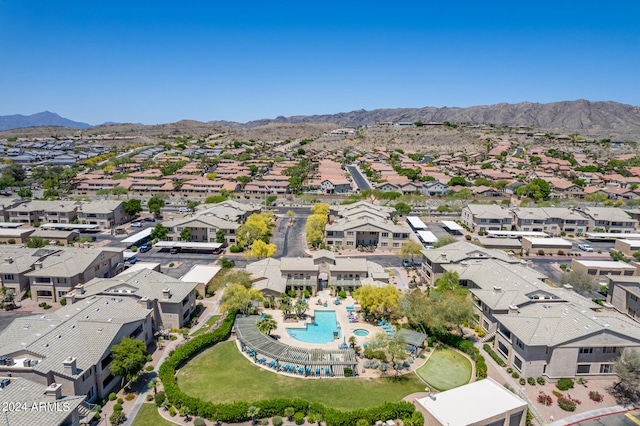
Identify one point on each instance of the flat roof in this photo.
(201, 274)
(604, 264)
(449, 224)
(68, 226)
(518, 233)
(632, 243)
(427, 236)
(549, 241)
(416, 222)
(185, 244)
(137, 236)
(11, 224)
(472, 403)
(610, 235)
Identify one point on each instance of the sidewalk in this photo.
(616, 409)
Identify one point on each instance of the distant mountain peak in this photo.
(44, 118)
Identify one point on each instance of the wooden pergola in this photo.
(308, 362)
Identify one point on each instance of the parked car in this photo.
(585, 247)
(149, 219)
(217, 250)
(144, 248)
(174, 250)
(406, 263)
(136, 225)
(184, 210)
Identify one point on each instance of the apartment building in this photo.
(486, 217)
(61, 269)
(172, 301)
(44, 212)
(623, 292)
(610, 219)
(46, 348)
(602, 268)
(104, 213)
(552, 220)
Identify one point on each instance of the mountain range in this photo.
(568, 116)
(45, 118)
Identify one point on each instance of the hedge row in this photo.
(488, 349)
(237, 412)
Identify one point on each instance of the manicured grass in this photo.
(206, 326)
(148, 416)
(445, 369)
(222, 374)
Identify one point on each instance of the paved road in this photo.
(614, 420)
(360, 180)
(288, 239)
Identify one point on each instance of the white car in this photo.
(585, 247)
(136, 225)
(184, 210)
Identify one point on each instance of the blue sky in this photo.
(163, 61)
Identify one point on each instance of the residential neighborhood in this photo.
(528, 253)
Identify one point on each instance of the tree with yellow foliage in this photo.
(378, 302)
(260, 250)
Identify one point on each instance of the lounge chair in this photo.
(327, 371)
(300, 370)
(272, 363)
(317, 371)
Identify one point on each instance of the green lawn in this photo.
(148, 416)
(446, 369)
(205, 327)
(222, 374)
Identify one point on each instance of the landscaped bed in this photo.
(206, 326)
(445, 369)
(221, 374)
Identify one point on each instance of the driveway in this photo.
(360, 180)
(288, 239)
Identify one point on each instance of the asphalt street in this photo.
(627, 419)
(360, 181)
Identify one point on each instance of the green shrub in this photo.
(117, 418)
(235, 249)
(171, 264)
(276, 421)
(522, 381)
(149, 368)
(113, 396)
(342, 294)
(541, 380)
(129, 396)
(172, 411)
(515, 375)
(564, 384)
(566, 404)
(149, 397)
(264, 422)
(199, 422)
(488, 349)
(226, 263)
(117, 407)
(531, 381)
(556, 393)
(11, 241)
(298, 418)
(160, 398)
(509, 370)
(63, 302)
(120, 401)
(348, 372)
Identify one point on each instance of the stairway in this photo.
(488, 337)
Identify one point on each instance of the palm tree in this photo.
(352, 342)
(267, 324)
(153, 383)
(253, 412)
(301, 307)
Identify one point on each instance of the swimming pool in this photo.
(361, 332)
(321, 331)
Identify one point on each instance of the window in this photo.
(330, 242)
(519, 343)
(517, 362)
(586, 350)
(634, 298)
(609, 350)
(10, 277)
(606, 368)
(349, 243)
(385, 244)
(349, 233)
(396, 245)
(583, 369)
(385, 235)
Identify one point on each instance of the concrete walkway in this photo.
(616, 409)
(405, 286)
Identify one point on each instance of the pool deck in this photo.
(347, 328)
